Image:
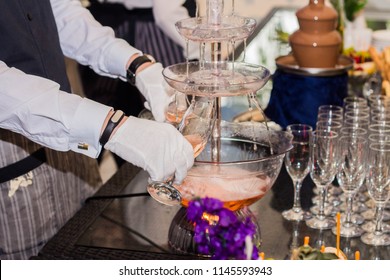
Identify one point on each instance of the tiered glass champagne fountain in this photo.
(239, 162)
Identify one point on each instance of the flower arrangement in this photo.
(218, 232)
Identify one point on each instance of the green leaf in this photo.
(352, 7)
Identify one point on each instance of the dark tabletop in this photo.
(123, 222)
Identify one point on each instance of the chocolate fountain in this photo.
(317, 43)
(240, 161)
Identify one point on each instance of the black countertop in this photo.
(134, 226)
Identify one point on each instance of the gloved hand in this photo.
(155, 89)
(158, 148)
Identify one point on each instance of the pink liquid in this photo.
(197, 143)
(236, 187)
(174, 117)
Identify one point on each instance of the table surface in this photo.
(123, 222)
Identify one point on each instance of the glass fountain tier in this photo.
(247, 164)
(240, 161)
(232, 27)
(219, 78)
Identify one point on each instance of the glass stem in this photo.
(297, 197)
(348, 214)
(295, 235)
(378, 219)
(321, 207)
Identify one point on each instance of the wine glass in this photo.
(378, 100)
(356, 107)
(360, 197)
(381, 119)
(351, 174)
(324, 161)
(331, 110)
(354, 99)
(329, 124)
(378, 128)
(379, 114)
(177, 108)
(332, 199)
(369, 214)
(198, 122)
(297, 162)
(196, 126)
(378, 185)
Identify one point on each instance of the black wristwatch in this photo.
(135, 64)
(112, 123)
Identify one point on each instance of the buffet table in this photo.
(123, 222)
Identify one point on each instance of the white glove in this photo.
(158, 148)
(193, 51)
(155, 89)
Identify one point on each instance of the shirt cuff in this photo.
(118, 56)
(85, 134)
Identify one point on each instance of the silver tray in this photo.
(288, 64)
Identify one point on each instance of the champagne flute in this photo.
(356, 107)
(381, 119)
(198, 122)
(378, 185)
(332, 200)
(177, 108)
(351, 174)
(378, 100)
(354, 99)
(331, 110)
(297, 162)
(324, 161)
(196, 126)
(369, 214)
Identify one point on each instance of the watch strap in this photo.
(111, 125)
(135, 64)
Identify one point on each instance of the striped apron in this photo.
(35, 205)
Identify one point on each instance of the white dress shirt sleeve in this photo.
(88, 42)
(36, 108)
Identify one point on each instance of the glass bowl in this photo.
(219, 78)
(238, 168)
(231, 28)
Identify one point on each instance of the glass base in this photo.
(330, 210)
(370, 215)
(164, 193)
(330, 200)
(370, 227)
(371, 238)
(348, 231)
(296, 215)
(326, 223)
(181, 232)
(356, 218)
(358, 207)
(331, 191)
